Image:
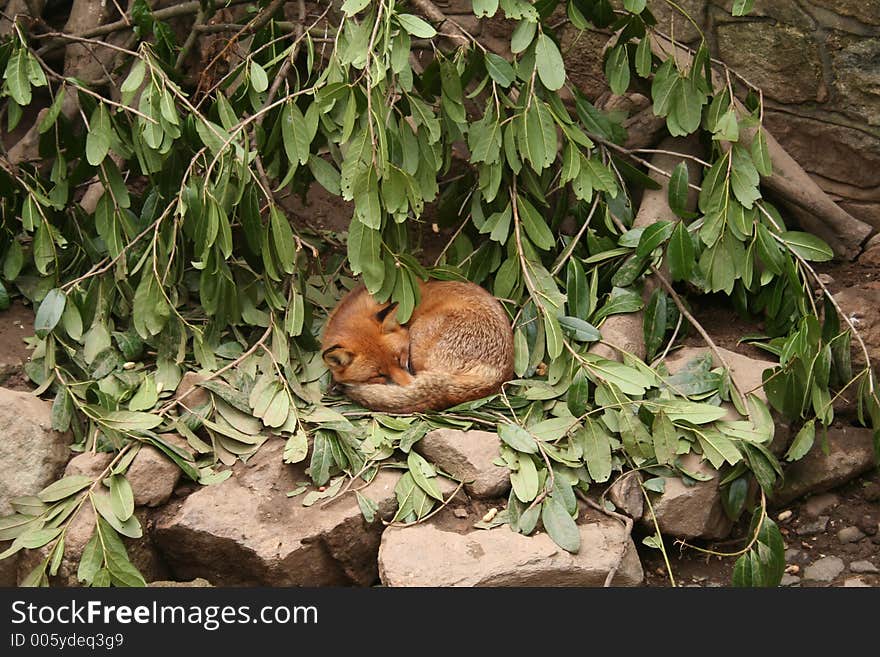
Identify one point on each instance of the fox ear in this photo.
(337, 357)
(388, 317)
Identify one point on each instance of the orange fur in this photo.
(456, 347)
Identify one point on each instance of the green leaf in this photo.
(807, 246)
(665, 439)
(416, 26)
(351, 7)
(644, 59)
(368, 507)
(121, 497)
(617, 69)
(259, 79)
(49, 312)
(91, 560)
(536, 228)
(560, 526)
(761, 154)
(581, 331)
(634, 6)
(596, 446)
(802, 442)
(64, 487)
(322, 459)
(524, 480)
(119, 566)
(500, 70)
(99, 135)
(693, 412)
(518, 438)
(678, 190)
(424, 475)
(742, 7)
(548, 59)
(522, 37)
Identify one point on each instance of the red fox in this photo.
(456, 347)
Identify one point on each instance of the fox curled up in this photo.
(456, 347)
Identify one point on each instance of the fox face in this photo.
(364, 343)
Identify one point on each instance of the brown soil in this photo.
(16, 324)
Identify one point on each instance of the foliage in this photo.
(188, 262)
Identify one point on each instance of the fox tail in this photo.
(429, 390)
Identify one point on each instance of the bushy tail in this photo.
(429, 391)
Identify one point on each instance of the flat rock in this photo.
(245, 531)
(851, 452)
(691, 511)
(32, 454)
(790, 580)
(816, 505)
(816, 526)
(197, 583)
(468, 456)
(152, 476)
(89, 464)
(850, 535)
(824, 569)
(428, 555)
(863, 566)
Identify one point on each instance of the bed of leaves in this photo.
(189, 263)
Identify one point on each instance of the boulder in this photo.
(431, 555)
(824, 569)
(851, 452)
(32, 454)
(152, 476)
(691, 511)
(468, 456)
(245, 531)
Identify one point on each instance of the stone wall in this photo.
(817, 61)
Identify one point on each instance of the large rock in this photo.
(468, 456)
(851, 452)
(429, 555)
(792, 74)
(32, 455)
(691, 511)
(246, 531)
(152, 476)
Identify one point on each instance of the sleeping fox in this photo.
(457, 346)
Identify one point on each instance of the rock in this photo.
(90, 464)
(851, 454)
(197, 583)
(818, 504)
(190, 393)
(8, 567)
(32, 454)
(792, 74)
(246, 531)
(809, 527)
(469, 456)
(460, 512)
(863, 566)
(850, 535)
(833, 151)
(152, 476)
(691, 511)
(871, 492)
(868, 524)
(792, 555)
(790, 580)
(824, 569)
(855, 582)
(626, 495)
(428, 555)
